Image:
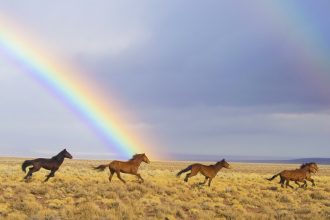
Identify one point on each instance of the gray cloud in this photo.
(215, 76)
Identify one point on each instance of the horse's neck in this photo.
(218, 167)
(306, 169)
(59, 158)
(137, 162)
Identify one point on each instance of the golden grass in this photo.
(78, 192)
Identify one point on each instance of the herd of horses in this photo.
(302, 174)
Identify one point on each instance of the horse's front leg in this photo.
(304, 185)
(51, 174)
(206, 178)
(139, 176)
(311, 180)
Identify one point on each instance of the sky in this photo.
(198, 77)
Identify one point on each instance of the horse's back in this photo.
(116, 164)
(198, 166)
(293, 174)
(41, 160)
(195, 165)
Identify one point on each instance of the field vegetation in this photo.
(78, 192)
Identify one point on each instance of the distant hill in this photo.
(307, 160)
(248, 159)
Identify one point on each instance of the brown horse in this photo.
(208, 171)
(129, 167)
(298, 175)
(51, 164)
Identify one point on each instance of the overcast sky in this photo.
(209, 77)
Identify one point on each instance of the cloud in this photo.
(211, 76)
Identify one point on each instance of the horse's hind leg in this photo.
(31, 170)
(282, 182)
(296, 182)
(119, 177)
(111, 174)
(210, 180)
(187, 177)
(29, 174)
(191, 174)
(288, 184)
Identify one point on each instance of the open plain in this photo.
(79, 192)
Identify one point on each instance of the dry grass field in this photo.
(78, 192)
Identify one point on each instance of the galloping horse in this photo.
(51, 164)
(208, 171)
(129, 167)
(298, 175)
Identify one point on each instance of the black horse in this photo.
(51, 164)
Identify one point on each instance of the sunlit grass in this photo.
(78, 192)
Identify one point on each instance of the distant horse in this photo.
(298, 175)
(130, 167)
(51, 164)
(208, 171)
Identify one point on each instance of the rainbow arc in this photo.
(80, 96)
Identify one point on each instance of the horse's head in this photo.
(224, 164)
(145, 158)
(311, 167)
(66, 154)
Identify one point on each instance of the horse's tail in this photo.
(26, 164)
(270, 179)
(184, 170)
(101, 167)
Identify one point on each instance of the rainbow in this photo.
(61, 80)
(291, 24)
(308, 41)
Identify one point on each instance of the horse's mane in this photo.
(135, 156)
(306, 164)
(58, 155)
